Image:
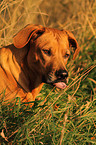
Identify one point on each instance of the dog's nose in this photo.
(61, 74)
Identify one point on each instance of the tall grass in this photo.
(65, 117)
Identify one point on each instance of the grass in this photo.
(65, 117)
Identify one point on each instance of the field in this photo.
(58, 117)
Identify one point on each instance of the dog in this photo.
(38, 55)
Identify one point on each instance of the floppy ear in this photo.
(73, 43)
(25, 34)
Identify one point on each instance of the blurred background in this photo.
(77, 16)
(57, 118)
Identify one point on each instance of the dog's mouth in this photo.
(60, 85)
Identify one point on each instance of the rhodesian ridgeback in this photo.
(38, 55)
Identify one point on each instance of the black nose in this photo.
(61, 74)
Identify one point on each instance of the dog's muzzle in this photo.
(60, 79)
(62, 76)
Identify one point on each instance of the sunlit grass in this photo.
(65, 117)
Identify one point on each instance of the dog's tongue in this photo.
(60, 85)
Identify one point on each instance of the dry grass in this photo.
(68, 117)
(79, 17)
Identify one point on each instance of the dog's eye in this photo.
(66, 55)
(47, 52)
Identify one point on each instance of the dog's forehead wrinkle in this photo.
(46, 44)
(53, 39)
(42, 44)
(57, 33)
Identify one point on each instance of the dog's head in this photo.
(49, 50)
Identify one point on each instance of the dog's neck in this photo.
(27, 79)
(34, 83)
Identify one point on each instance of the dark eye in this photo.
(47, 52)
(66, 55)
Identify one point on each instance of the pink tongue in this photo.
(60, 85)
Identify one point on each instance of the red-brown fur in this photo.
(26, 65)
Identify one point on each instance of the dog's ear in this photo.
(25, 34)
(73, 43)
